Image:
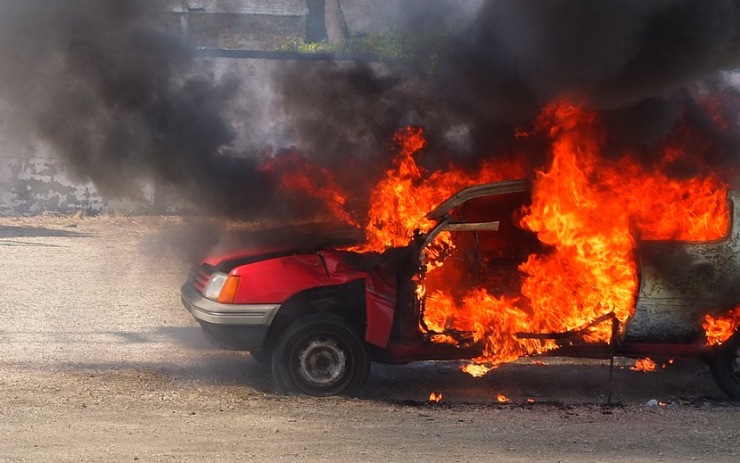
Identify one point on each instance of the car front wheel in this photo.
(725, 366)
(320, 355)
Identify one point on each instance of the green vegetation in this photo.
(418, 47)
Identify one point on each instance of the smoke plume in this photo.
(641, 63)
(113, 87)
(116, 94)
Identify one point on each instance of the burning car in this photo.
(462, 288)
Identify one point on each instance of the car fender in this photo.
(276, 280)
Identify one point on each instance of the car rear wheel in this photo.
(320, 355)
(725, 367)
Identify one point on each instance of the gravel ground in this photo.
(100, 362)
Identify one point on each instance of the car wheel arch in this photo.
(327, 300)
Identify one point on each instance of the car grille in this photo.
(199, 276)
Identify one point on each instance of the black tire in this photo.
(724, 364)
(320, 355)
(263, 358)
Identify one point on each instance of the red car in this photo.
(318, 315)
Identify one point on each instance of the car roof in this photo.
(476, 191)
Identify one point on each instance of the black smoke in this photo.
(641, 63)
(113, 89)
(112, 85)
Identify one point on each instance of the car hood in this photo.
(242, 247)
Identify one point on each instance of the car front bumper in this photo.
(231, 326)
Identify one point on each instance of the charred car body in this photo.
(317, 316)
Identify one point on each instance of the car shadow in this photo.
(551, 380)
(9, 231)
(511, 385)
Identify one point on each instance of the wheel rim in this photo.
(735, 364)
(321, 362)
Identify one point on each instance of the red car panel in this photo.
(381, 307)
(338, 269)
(274, 281)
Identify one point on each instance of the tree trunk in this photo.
(336, 26)
(316, 21)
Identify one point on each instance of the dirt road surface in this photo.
(99, 362)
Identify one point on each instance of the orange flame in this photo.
(645, 365)
(435, 398)
(502, 399)
(476, 369)
(400, 202)
(298, 176)
(719, 330)
(589, 210)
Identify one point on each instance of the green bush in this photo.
(420, 48)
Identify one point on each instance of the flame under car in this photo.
(319, 315)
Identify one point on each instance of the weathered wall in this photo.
(243, 24)
(34, 180)
(245, 32)
(33, 185)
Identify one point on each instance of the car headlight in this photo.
(222, 288)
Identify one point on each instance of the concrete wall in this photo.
(242, 24)
(34, 180)
(244, 31)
